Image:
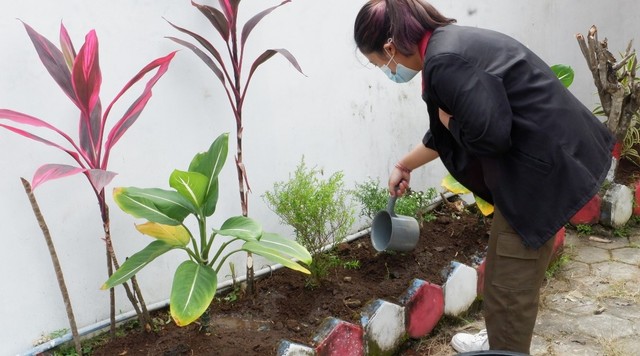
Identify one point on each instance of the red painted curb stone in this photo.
(339, 338)
(424, 307)
(589, 214)
(558, 245)
(480, 270)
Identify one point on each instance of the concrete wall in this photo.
(342, 116)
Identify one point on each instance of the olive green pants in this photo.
(513, 277)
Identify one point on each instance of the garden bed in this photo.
(285, 309)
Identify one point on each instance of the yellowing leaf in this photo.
(451, 184)
(485, 208)
(174, 235)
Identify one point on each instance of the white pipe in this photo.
(221, 287)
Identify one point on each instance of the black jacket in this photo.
(518, 138)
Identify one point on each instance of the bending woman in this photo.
(508, 130)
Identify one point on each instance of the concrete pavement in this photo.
(592, 305)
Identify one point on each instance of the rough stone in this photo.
(591, 254)
(617, 206)
(627, 255)
(575, 269)
(615, 271)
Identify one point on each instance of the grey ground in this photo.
(592, 304)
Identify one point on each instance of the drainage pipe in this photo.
(90, 329)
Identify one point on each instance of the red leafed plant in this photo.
(80, 78)
(230, 73)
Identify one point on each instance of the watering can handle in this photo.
(391, 204)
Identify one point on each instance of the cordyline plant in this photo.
(230, 73)
(196, 193)
(79, 76)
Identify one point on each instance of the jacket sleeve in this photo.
(477, 100)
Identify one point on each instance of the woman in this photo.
(504, 127)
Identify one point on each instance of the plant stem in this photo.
(112, 297)
(222, 247)
(56, 264)
(225, 258)
(143, 315)
(202, 224)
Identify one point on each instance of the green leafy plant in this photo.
(230, 72)
(631, 139)
(373, 198)
(353, 264)
(584, 229)
(556, 265)
(195, 193)
(317, 209)
(80, 78)
(622, 231)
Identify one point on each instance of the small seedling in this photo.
(556, 265)
(622, 231)
(584, 229)
(353, 264)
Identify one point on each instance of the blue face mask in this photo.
(402, 74)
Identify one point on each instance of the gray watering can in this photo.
(391, 232)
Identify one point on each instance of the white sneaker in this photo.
(463, 342)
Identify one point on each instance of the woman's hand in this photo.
(444, 118)
(399, 181)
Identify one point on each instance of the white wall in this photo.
(342, 116)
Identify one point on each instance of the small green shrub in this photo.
(584, 229)
(622, 231)
(353, 264)
(556, 265)
(373, 198)
(319, 210)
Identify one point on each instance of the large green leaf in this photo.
(137, 262)
(157, 205)
(564, 73)
(241, 227)
(176, 235)
(193, 289)
(210, 164)
(271, 253)
(286, 246)
(191, 185)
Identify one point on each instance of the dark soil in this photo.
(628, 171)
(285, 309)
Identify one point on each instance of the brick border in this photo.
(385, 326)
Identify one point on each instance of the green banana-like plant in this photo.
(195, 192)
